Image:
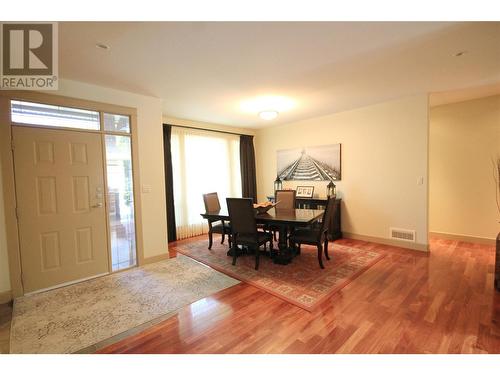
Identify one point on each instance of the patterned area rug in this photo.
(106, 309)
(301, 282)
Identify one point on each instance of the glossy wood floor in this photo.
(409, 302)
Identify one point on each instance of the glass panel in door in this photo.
(120, 202)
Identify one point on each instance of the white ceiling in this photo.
(204, 70)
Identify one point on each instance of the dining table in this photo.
(284, 219)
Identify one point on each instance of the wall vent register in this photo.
(402, 234)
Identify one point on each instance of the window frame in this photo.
(100, 112)
(32, 124)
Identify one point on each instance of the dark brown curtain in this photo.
(247, 163)
(169, 183)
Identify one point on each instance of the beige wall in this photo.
(4, 260)
(384, 154)
(464, 137)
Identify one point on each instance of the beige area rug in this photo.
(77, 318)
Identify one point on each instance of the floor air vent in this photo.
(403, 234)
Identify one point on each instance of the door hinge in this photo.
(17, 213)
(12, 146)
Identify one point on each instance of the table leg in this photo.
(284, 255)
(293, 247)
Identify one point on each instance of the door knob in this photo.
(97, 205)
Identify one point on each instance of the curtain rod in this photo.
(209, 130)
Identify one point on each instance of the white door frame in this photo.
(8, 176)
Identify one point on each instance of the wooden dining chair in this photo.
(212, 204)
(316, 236)
(286, 199)
(244, 228)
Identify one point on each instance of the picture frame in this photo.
(326, 161)
(305, 191)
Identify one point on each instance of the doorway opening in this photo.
(75, 193)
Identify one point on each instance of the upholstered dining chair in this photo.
(244, 228)
(286, 201)
(317, 236)
(212, 204)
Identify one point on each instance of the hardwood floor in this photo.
(409, 302)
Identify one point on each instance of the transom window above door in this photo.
(116, 123)
(54, 116)
(47, 115)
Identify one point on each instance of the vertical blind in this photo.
(202, 162)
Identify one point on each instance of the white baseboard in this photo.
(387, 241)
(464, 238)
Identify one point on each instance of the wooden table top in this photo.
(275, 215)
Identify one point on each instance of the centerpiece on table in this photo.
(262, 208)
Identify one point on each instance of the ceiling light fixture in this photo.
(268, 115)
(264, 103)
(102, 46)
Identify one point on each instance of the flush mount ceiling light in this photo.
(261, 105)
(102, 46)
(268, 115)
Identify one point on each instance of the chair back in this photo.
(327, 216)
(211, 201)
(286, 199)
(242, 215)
